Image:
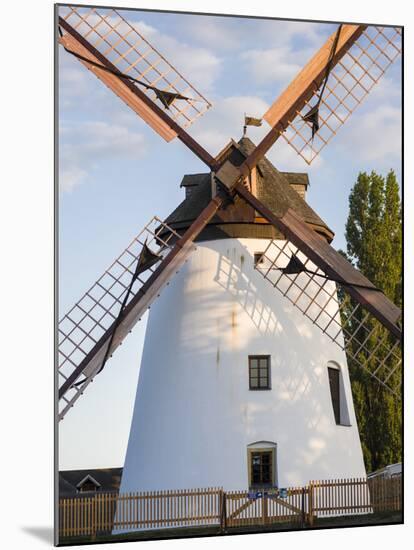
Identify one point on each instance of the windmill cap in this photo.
(239, 220)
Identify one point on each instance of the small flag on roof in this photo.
(251, 121)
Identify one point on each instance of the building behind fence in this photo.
(108, 513)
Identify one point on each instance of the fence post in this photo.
(223, 513)
(92, 524)
(264, 509)
(303, 515)
(93, 518)
(310, 503)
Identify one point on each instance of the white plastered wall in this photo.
(194, 414)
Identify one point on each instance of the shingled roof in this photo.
(239, 219)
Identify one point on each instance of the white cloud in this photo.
(283, 32)
(143, 28)
(373, 133)
(70, 177)
(217, 33)
(277, 64)
(289, 46)
(85, 145)
(201, 66)
(223, 34)
(374, 136)
(387, 90)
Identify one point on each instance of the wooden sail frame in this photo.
(354, 75)
(156, 115)
(328, 305)
(86, 327)
(121, 43)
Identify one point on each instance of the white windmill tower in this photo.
(236, 387)
(239, 385)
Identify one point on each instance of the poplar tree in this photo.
(374, 245)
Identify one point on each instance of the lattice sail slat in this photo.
(123, 45)
(92, 316)
(367, 343)
(350, 81)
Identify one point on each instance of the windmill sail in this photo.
(120, 43)
(328, 305)
(85, 329)
(364, 54)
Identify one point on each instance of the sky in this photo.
(115, 173)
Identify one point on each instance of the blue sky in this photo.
(116, 173)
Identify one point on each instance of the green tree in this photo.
(374, 244)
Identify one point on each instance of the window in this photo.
(258, 258)
(335, 393)
(261, 463)
(339, 393)
(259, 372)
(261, 468)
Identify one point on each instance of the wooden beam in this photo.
(182, 135)
(330, 261)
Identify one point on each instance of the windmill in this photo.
(263, 302)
